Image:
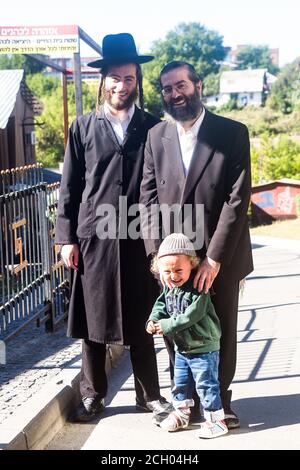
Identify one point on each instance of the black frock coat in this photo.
(113, 291)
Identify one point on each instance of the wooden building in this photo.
(18, 109)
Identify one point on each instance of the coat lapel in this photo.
(133, 126)
(171, 145)
(107, 128)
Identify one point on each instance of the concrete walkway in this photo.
(265, 389)
(266, 385)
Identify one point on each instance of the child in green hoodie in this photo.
(189, 318)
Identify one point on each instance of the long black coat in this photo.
(218, 177)
(113, 291)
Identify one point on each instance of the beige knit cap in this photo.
(176, 244)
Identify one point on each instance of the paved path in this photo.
(265, 388)
(266, 385)
(32, 359)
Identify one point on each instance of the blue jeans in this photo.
(203, 370)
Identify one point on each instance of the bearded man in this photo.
(199, 158)
(112, 290)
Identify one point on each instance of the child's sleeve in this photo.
(159, 309)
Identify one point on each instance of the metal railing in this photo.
(33, 284)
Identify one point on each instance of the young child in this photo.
(189, 318)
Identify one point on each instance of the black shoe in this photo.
(195, 416)
(231, 420)
(160, 409)
(88, 409)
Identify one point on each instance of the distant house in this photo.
(87, 73)
(275, 200)
(18, 108)
(247, 87)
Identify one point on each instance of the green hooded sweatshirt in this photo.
(189, 318)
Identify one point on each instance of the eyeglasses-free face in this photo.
(120, 86)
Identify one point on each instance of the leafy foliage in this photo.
(18, 61)
(211, 84)
(256, 57)
(274, 159)
(285, 94)
(190, 42)
(50, 136)
(264, 120)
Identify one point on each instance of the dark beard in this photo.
(125, 104)
(188, 112)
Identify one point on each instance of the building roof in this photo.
(285, 181)
(35, 104)
(243, 81)
(11, 82)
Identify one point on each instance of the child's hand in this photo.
(158, 328)
(151, 327)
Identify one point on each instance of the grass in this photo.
(282, 229)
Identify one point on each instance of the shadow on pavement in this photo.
(268, 412)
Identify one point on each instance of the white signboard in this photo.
(38, 39)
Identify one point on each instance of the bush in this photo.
(274, 159)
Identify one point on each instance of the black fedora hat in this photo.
(119, 49)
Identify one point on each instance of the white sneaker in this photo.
(209, 430)
(176, 420)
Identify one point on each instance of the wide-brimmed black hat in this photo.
(119, 49)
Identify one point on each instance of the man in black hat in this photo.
(112, 290)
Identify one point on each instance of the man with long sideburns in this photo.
(112, 291)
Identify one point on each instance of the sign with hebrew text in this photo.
(39, 39)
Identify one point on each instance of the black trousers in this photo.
(225, 300)
(93, 379)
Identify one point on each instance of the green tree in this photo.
(275, 159)
(256, 57)
(211, 84)
(191, 42)
(18, 61)
(152, 98)
(50, 135)
(42, 85)
(285, 93)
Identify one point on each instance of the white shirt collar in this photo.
(119, 125)
(195, 127)
(188, 140)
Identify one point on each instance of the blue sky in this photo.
(269, 22)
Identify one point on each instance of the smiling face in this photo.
(120, 86)
(181, 96)
(175, 269)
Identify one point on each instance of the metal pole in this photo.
(65, 103)
(77, 83)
